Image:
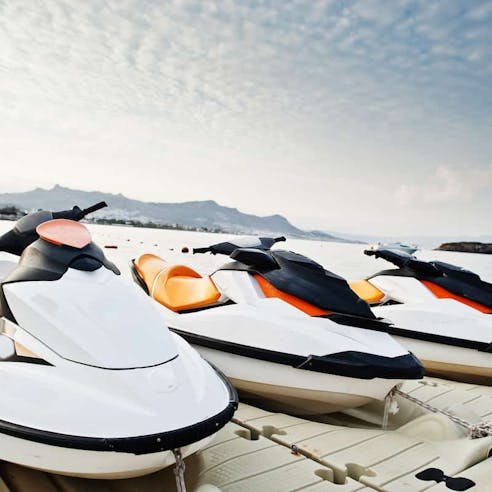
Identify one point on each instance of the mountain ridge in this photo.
(195, 214)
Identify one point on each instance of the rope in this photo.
(179, 470)
(475, 431)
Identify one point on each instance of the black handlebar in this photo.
(76, 213)
(24, 232)
(201, 250)
(227, 247)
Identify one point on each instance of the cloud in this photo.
(252, 90)
(446, 185)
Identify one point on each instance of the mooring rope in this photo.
(475, 431)
(179, 470)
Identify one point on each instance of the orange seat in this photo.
(177, 287)
(367, 291)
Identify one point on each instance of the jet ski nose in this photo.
(163, 380)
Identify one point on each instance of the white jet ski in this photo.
(440, 312)
(270, 349)
(93, 384)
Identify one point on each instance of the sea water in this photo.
(346, 260)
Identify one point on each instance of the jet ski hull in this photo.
(457, 363)
(301, 392)
(88, 464)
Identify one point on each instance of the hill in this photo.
(195, 214)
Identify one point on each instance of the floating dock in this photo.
(266, 451)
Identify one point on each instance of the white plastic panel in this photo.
(7, 263)
(95, 318)
(445, 317)
(402, 289)
(75, 399)
(238, 286)
(275, 325)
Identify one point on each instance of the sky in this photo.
(366, 116)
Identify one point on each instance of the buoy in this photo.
(185, 249)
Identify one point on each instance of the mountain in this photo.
(197, 214)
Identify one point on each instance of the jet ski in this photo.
(442, 310)
(268, 348)
(93, 383)
(429, 317)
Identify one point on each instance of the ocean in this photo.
(346, 260)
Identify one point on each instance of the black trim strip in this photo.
(138, 278)
(27, 360)
(349, 364)
(153, 443)
(343, 319)
(207, 306)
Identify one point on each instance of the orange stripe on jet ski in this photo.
(442, 293)
(270, 291)
(64, 232)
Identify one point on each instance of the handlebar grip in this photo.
(200, 250)
(93, 208)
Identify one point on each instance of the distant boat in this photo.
(397, 245)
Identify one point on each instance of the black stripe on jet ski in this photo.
(154, 443)
(380, 325)
(349, 364)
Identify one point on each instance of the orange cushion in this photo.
(367, 291)
(177, 287)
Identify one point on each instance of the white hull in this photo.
(88, 464)
(424, 315)
(457, 363)
(301, 392)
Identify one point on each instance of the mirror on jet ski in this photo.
(24, 232)
(227, 247)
